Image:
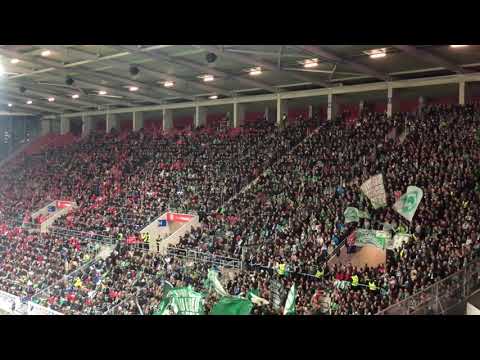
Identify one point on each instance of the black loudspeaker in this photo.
(134, 70)
(69, 81)
(22, 89)
(211, 57)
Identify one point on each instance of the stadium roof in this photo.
(120, 76)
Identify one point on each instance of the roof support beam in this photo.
(124, 65)
(19, 101)
(249, 60)
(318, 51)
(64, 70)
(199, 67)
(431, 81)
(433, 59)
(39, 91)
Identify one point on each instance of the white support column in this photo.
(282, 109)
(64, 125)
(111, 122)
(45, 127)
(330, 112)
(137, 120)
(167, 119)
(389, 102)
(87, 125)
(200, 116)
(310, 111)
(238, 114)
(267, 113)
(360, 107)
(461, 92)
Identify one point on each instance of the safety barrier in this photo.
(193, 255)
(59, 231)
(442, 296)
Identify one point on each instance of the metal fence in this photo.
(442, 296)
(82, 234)
(193, 255)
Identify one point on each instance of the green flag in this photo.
(252, 295)
(352, 214)
(163, 307)
(212, 282)
(232, 305)
(407, 204)
(377, 238)
(290, 303)
(182, 301)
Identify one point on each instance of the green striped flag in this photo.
(290, 303)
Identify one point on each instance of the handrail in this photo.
(85, 235)
(204, 257)
(436, 286)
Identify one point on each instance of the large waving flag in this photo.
(408, 203)
(232, 305)
(373, 188)
(290, 303)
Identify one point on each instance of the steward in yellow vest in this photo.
(354, 280)
(372, 286)
(319, 274)
(281, 269)
(146, 237)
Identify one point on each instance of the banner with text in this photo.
(375, 191)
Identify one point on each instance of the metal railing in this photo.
(59, 231)
(442, 296)
(193, 255)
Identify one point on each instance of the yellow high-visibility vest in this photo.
(145, 237)
(120, 236)
(372, 286)
(354, 280)
(281, 269)
(319, 274)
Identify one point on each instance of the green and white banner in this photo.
(377, 238)
(212, 282)
(290, 303)
(407, 204)
(182, 301)
(352, 214)
(397, 241)
(373, 188)
(252, 295)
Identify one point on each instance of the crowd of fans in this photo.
(292, 215)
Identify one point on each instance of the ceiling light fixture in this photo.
(255, 71)
(133, 88)
(51, 99)
(29, 102)
(310, 63)
(75, 96)
(102, 92)
(14, 61)
(168, 84)
(376, 53)
(457, 46)
(207, 77)
(46, 53)
(213, 97)
(10, 104)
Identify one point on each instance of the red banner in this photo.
(61, 204)
(179, 217)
